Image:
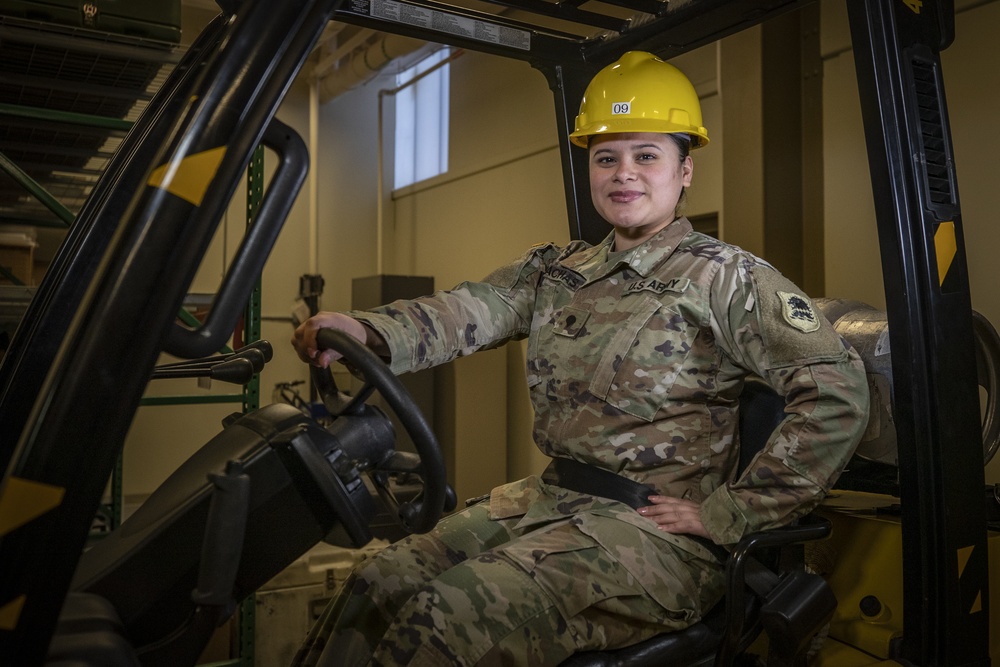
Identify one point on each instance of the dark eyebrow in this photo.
(638, 147)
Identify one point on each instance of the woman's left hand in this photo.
(675, 515)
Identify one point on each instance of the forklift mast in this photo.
(91, 336)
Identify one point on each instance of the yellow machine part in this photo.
(862, 561)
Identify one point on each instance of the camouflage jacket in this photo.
(635, 363)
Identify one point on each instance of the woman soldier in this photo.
(638, 348)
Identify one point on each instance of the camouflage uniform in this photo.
(635, 363)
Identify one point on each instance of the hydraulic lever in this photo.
(237, 367)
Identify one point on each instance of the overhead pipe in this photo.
(365, 64)
(313, 176)
(329, 34)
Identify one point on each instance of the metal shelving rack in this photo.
(67, 98)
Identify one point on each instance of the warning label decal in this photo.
(432, 19)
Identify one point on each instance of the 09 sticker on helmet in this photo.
(621, 108)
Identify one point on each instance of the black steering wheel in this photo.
(423, 512)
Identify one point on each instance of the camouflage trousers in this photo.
(451, 597)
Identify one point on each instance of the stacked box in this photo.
(288, 605)
(17, 257)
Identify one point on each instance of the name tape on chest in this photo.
(569, 278)
(657, 286)
(798, 312)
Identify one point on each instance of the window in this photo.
(422, 120)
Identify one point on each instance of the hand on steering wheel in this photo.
(422, 513)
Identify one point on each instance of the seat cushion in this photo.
(694, 646)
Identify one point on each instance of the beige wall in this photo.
(971, 68)
(705, 193)
(742, 172)
(503, 193)
(972, 78)
(853, 264)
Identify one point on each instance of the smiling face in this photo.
(636, 180)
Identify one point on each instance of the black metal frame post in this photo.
(945, 570)
(567, 86)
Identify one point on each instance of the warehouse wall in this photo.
(972, 79)
(971, 68)
(503, 193)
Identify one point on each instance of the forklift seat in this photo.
(767, 587)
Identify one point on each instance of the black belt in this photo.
(594, 481)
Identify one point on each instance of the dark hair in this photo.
(683, 142)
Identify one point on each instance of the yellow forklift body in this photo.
(838, 654)
(862, 562)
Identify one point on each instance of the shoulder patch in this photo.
(793, 330)
(798, 312)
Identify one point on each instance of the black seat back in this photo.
(761, 411)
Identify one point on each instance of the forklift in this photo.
(915, 546)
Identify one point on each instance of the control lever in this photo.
(238, 367)
(262, 346)
(236, 371)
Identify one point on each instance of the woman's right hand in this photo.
(304, 339)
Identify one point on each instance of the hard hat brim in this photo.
(581, 137)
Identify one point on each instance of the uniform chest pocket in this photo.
(553, 320)
(642, 360)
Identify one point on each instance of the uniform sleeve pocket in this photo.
(642, 361)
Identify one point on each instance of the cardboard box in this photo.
(288, 605)
(17, 257)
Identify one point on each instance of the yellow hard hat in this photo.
(639, 93)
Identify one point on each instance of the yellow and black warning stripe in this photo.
(945, 249)
(189, 177)
(22, 501)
